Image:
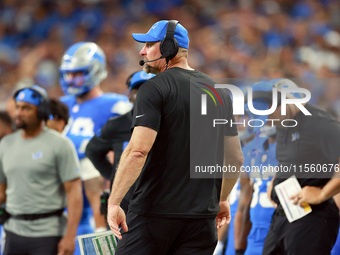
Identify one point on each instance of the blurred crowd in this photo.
(228, 38)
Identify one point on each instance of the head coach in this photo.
(171, 213)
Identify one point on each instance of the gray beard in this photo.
(150, 69)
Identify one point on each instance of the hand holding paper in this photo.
(308, 194)
(287, 189)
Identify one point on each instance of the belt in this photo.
(37, 216)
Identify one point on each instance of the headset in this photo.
(169, 45)
(44, 109)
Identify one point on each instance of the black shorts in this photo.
(20, 245)
(315, 233)
(151, 235)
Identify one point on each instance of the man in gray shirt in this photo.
(38, 178)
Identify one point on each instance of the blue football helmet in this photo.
(262, 98)
(281, 83)
(259, 103)
(138, 78)
(85, 57)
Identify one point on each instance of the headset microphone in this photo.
(142, 62)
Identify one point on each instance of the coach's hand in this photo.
(115, 217)
(67, 245)
(223, 216)
(308, 194)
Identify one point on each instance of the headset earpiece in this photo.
(44, 110)
(169, 45)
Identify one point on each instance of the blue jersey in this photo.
(336, 247)
(89, 117)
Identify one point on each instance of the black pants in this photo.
(315, 233)
(150, 235)
(19, 245)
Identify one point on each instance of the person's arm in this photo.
(317, 195)
(327, 141)
(96, 151)
(68, 169)
(129, 169)
(233, 157)
(337, 200)
(74, 204)
(3, 181)
(269, 192)
(242, 222)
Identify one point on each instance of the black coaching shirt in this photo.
(164, 104)
(310, 150)
(114, 136)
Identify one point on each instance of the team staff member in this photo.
(6, 128)
(314, 140)
(114, 136)
(38, 178)
(171, 213)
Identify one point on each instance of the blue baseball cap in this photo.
(158, 31)
(33, 95)
(138, 78)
